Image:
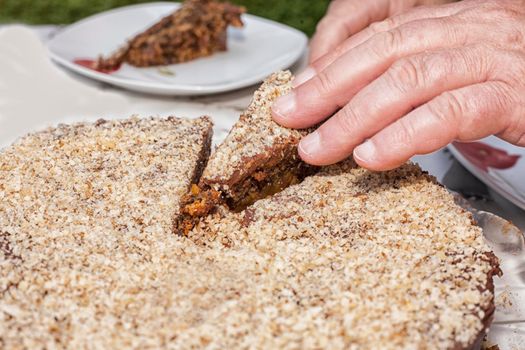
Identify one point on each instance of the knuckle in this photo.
(507, 104)
(504, 98)
(384, 44)
(444, 62)
(438, 67)
(324, 83)
(382, 26)
(407, 74)
(443, 65)
(447, 109)
(450, 28)
(376, 27)
(391, 40)
(476, 61)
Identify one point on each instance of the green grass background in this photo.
(301, 14)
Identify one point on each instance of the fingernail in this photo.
(303, 77)
(284, 106)
(311, 144)
(365, 152)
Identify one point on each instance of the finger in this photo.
(417, 13)
(343, 19)
(409, 83)
(466, 114)
(321, 96)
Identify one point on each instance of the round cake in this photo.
(347, 259)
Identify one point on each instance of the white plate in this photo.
(254, 52)
(497, 163)
(35, 94)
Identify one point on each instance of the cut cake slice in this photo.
(258, 158)
(197, 29)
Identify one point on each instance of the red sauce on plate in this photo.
(484, 156)
(89, 63)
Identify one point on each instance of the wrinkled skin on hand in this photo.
(412, 83)
(347, 17)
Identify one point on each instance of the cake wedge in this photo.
(257, 159)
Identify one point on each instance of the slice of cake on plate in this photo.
(197, 29)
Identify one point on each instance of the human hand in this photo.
(414, 83)
(347, 17)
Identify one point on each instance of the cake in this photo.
(86, 213)
(344, 259)
(196, 29)
(352, 259)
(258, 158)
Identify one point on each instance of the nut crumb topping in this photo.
(359, 260)
(254, 138)
(348, 259)
(87, 257)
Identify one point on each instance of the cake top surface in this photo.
(197, 28)
(194, 16)
(255, 137)
(346, 259)
(85, 225)
(59, 163)
(355, 259)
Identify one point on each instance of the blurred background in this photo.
(301, 14)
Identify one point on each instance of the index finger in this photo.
(328, 91)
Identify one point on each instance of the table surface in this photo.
(227, 106)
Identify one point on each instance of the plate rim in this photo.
(164, 88)
(485, 179)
